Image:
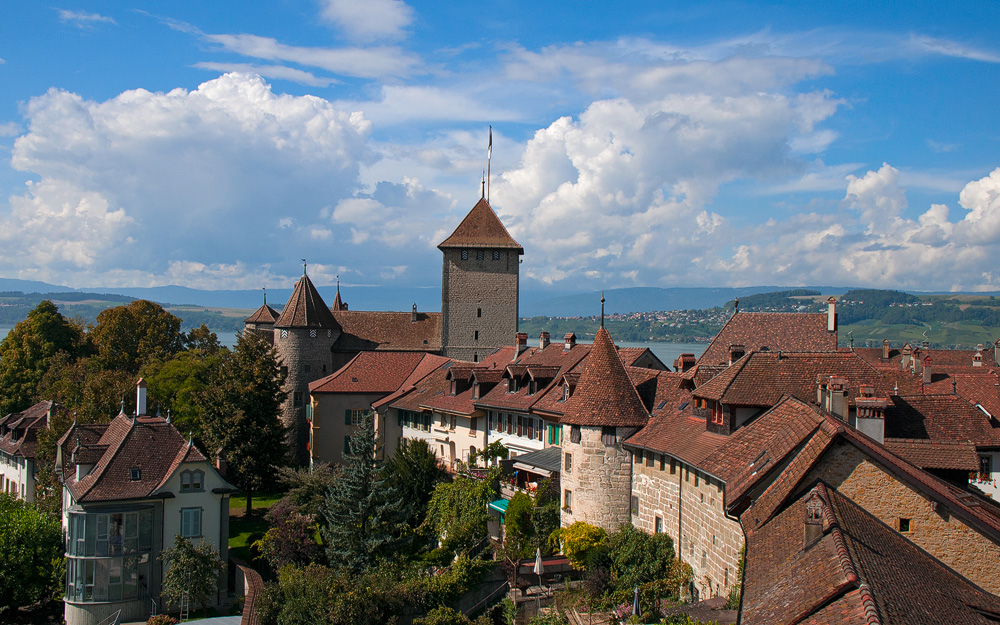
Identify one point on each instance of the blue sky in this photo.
(215, 144)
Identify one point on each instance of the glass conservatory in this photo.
(108, 555)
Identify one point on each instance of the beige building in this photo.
(18, 441)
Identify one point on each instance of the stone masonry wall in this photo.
(600, 480)
(306, 354)
(478, 296)
(940, 533)
(690, 505)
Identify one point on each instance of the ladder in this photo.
(185, 607)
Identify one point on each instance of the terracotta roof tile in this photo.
(928, 454)
(940, 418)
(370, 372)
(789, 332)
(481, 228)
(19, 430)
(306, 309)
(605, 395)
(427, 365)
(552, 361)
(263, 315)
(366, 330)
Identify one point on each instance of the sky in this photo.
(216, 144)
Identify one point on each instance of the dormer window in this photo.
(566, 392)
(192, 481)
(454, 387)
(512, 385)
(134, 474)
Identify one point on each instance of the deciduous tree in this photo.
(128, 337)
(191, 569)
(30, 554)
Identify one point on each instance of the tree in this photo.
(129, 337)
(457, 511)
(240, 407)
(637, 558)
(577, 541)
(414, 470)
(176, 384)
(30, 554)
(191, 569)
(28, 350)
(492, 452)
(363, 520)
(307, 488)
(290, 538)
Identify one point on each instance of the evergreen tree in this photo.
(363, 517)
(28, 351)
(240, 407)
(414, 469)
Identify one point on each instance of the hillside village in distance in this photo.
(784, 475)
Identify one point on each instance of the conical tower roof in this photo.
(263, 315)
(306, 309)
(481, 228)
(605, 395)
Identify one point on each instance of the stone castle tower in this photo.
(479, 286)
(604, 410)
(304, 334)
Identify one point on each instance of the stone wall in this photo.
(478, 296)
(305, 352)
(937, 531)
(600, 479)
(690, 506)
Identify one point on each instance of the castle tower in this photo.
(261, 322)
(479, 286)
(304, 333)
(604, 410)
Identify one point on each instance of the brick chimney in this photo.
(569, 341)
(885, 349)
(521, 343)
(917, 362)
(927, 370)
(140, 397)
(821, 388)
(904, 362)
(543, 340)
(813, 521)
(831, 314)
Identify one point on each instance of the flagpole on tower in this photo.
(489, 156)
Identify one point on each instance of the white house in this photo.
(18, 440)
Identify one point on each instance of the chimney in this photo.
(820, 388)
(885, 349)
(925, 344)
(521, 342)
(140, 397)
(813, 521)
(996, 352)
(543, 340)
(684, 362)
(570, 341)
(736, 352)
(917, 362)
(220, 461)
(831, 314)
(837, 397)
(977, 358)
(871, 416)
(904, 362)
(927, 370)
(413, 315)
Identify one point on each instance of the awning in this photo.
(500, 505)
(532, 469)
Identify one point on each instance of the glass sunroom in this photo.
(109, 555)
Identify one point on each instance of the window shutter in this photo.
(347, 417)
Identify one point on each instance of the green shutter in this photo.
(347, 417)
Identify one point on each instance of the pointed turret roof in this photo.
(338, 304)
(481, 228)
(605, 395)
(306, 309)
(263, 315)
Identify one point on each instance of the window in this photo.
(520, 425)
(353, 416)
(717, 416)
(704, 559)
(465, 254)
(637, 457)
(496, 254)
(479, 312)
(985, 468)
(477, 335)
(657, 525)
(297, 398)
(569, 463)
(192, 481)
(635, 505)
(191, 522)
(568, 500)
(480, 255)
(905, 525)
(308, 368)
(574, 433)
(473, 423)
(609, 435)
(134, 474)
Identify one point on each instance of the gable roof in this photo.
(604, 395)
(306, 309)
(367, 330)
(859, 571)
(786, 332)
(370, 372)
(424, 369)
(481, 228)
(25, 425)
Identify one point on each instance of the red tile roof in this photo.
(928, 454)
(859, 571)
(433, 392)
(370, 372)
(481, 228)
(605, 395)
(428, 365)
(367, 330)
(306, 309)
(263, 315)
(552, 361)
(940, 418)
(789, 332)
(149, 444)
(25, 426)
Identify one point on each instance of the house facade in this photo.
(18, 441)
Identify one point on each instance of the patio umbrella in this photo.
(635, 603)
(539, 567)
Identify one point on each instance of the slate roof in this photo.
(25, 426)
(762, 378)
(481, 228)
(859, 571)
(549, 459)
(263, 315)
(367, 330)
(787, 332)
(149, 444)
(370, 372)
(306, 309)
(605, 395)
